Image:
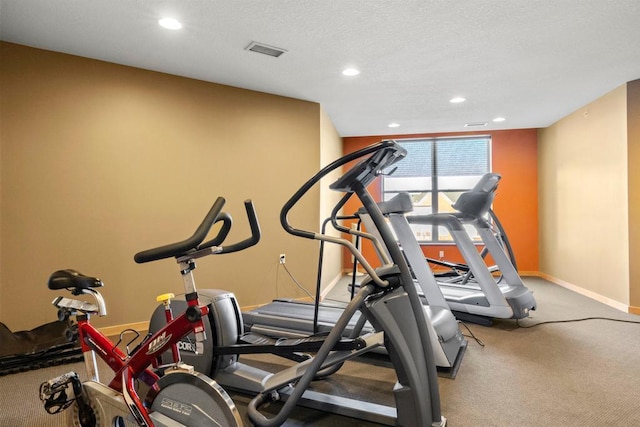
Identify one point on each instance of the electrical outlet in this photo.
(283, 258)
(441, 254)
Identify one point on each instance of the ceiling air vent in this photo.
(265, 49)
(475, 125)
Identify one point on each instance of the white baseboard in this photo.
(112, 331)
(529, 273)
(587, 293)
(144, 326)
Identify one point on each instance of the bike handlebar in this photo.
(194, 242)
(222, 234)
(255, 231)
(180, 248)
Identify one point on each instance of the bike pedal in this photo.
(53, 393)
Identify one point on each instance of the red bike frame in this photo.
(136, 366)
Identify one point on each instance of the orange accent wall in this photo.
(514, 156)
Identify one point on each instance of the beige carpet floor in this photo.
(583, 373)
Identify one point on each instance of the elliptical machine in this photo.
(387, 297)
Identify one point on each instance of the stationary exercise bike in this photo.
(176, 395)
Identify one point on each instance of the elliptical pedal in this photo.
(311, 343)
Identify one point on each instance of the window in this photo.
(435, 172)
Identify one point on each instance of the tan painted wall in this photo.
(1, 138)
(583, 209)
(330, 150)
(633, 135)
(100, 161)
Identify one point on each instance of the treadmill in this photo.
(485, 297)
(288, 318)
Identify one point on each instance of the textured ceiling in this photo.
(532, 62)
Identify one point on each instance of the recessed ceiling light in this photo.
(499, 119)
(457, 100)
(170, 23)
(393, 125)
(350, 72)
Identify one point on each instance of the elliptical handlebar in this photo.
(380, 156)
(386, 147)
(194, 243)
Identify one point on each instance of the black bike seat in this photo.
(71, 279)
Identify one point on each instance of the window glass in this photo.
(435, 172)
